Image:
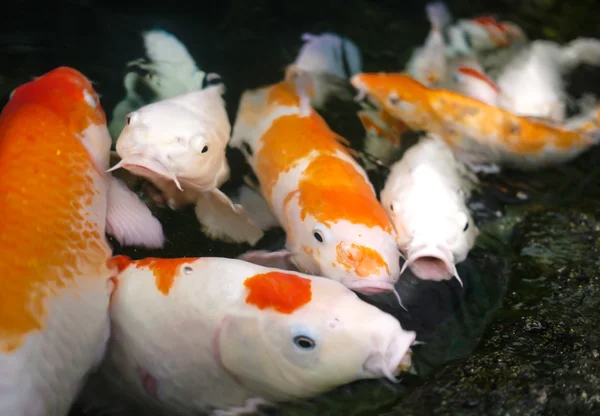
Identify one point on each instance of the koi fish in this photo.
(179, 144)
(169, 70)
(477, 132)
(56, 204)
(199, 335)
(428, 63)
(319, 194)
(425, 196)
(532, 83)
(330, 60)
(468, 37)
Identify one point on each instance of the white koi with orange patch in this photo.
(318, 193)
(219, 335)
(56, 203)
(425, 196)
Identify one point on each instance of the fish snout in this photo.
(432, 262)
(392, 356)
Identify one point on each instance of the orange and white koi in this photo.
(316, 190)
(477, 132)
(179, 144)
(199, 335)
(56, 203)
(425, 196)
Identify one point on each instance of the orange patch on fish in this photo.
(364, 261)
(289, 140)
(332, 189)
(119, 262)
(284, 292)
(48, 179)
(472, 72)
(165, 270)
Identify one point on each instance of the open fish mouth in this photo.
(146, 166)
(432, 262)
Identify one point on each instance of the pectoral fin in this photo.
(221, 219)
(129, 220)
(281, 259)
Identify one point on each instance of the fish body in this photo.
(425, 196)
(331, 60)
(428, 63)
(482, 34)
(57, 202)
(383, 135)
(532, 83)
(472, 82)
(179, 144)
(476, 131)
(320, 195)
(194, 335)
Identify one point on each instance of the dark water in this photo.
(521, 336)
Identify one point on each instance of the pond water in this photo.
(521, 337)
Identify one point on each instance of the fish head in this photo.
(181, 138)
(297, 336)
(364, 259)
(70, 95)
(400, 95)
(432, 243)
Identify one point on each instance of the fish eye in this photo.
(205, 149)
(128, 119)
(392, 207)
(394, 100)
(304, 342)
(318, 236)
(466, 226)
(320, 233)
(187, 269)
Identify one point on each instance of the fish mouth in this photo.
(397, 358)
(432, 262)
(147, 167)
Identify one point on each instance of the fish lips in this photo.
(148, 167)
(397, 358)
(432, 262)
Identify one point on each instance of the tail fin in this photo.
(438, 15)
(581, 51)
